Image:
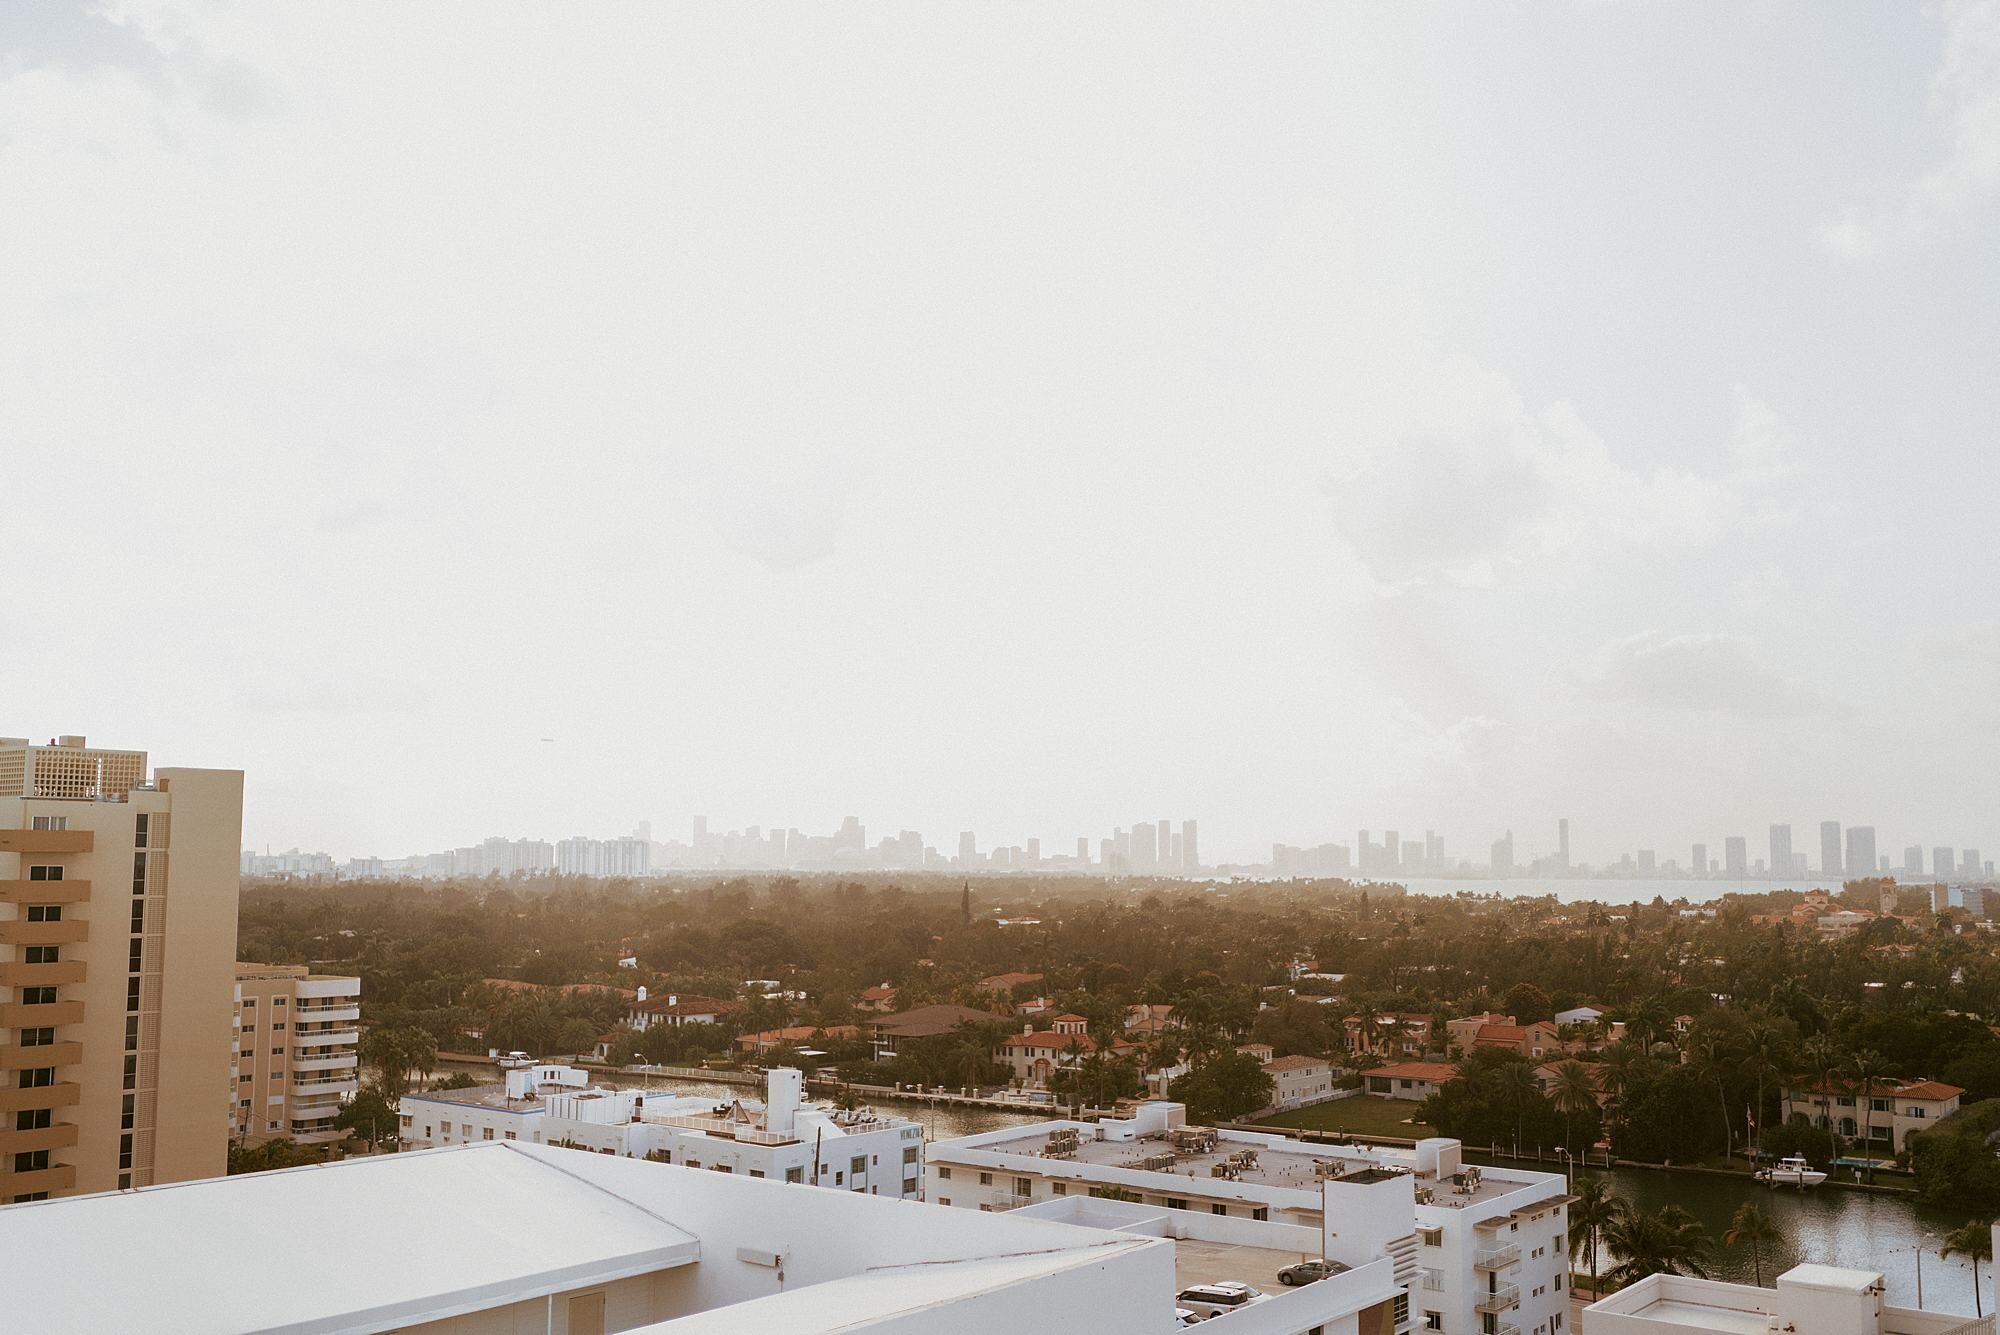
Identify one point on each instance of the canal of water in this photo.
(1864, 1230)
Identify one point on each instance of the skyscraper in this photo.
(1913, 860)
(1502, 857)
(1169, 859)
(1781, 851)
(117, 1013)
(1190, 847)
(1941, 863)
(1829, 848)
(1698, 860)
(1861, 851)
(1736, 855)
(1145, 854)
(1970, 865)
(968, 848)
(1392, 850)
(1562, 843)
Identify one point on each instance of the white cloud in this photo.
(1703, 672)
(1478, 487)
(1965, 98)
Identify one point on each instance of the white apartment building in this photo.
(294, 1057)
(1479, 1251)
(1817, 1299)
(783, 1138)
(485, 1239)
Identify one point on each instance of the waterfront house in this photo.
(1882, 1116)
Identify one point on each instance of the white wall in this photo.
(827, 1235)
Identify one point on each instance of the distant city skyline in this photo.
(1148, 847)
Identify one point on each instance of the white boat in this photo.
(1792, 1171)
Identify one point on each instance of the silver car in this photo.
(1306, 1272)
(1212, 1300)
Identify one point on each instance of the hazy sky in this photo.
(1022, 418)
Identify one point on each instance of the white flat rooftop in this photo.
(373, 1245)
(1291, 1166)
(363, 1245)
(891, 1293)
(1702, 1316)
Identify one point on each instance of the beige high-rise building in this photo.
(117, 969)
(295, 1052)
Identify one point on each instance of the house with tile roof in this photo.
(678, 1008)
(1034, 1055)
(1882, 1116)
(797, 1035)
(1408, 1080)
(1390, 1033)
(881, 997)
(1297, 1081)
(924, 1022)
(1007, 983)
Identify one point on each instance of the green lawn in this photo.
(1362, 1116)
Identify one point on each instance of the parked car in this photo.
(1186, 1316)
(1305, 1272)
(1210, 1300)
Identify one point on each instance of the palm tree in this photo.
(1822, 1062)
(1764, 1061)
(1751, 1225)
(1668, 1241)
(1590, 1214)
(1515, 1083)
(1707, 1061)
(1974, 1240)
(1865, 1067)
(1574, 1092)
(420, 1050)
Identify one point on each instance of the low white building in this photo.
(1810, 1299)
(783, 1137)
(505, 1238)
(1479, 1251)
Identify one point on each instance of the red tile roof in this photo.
(928, 1021)
(1295, 1064)
(1921, 1090)
(1434, 1072)
(1050, 1039)
(1007, 982)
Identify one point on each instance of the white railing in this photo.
(1507, 1295)
(723, 1126)
(1979, 1325)
(1490, 1258)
